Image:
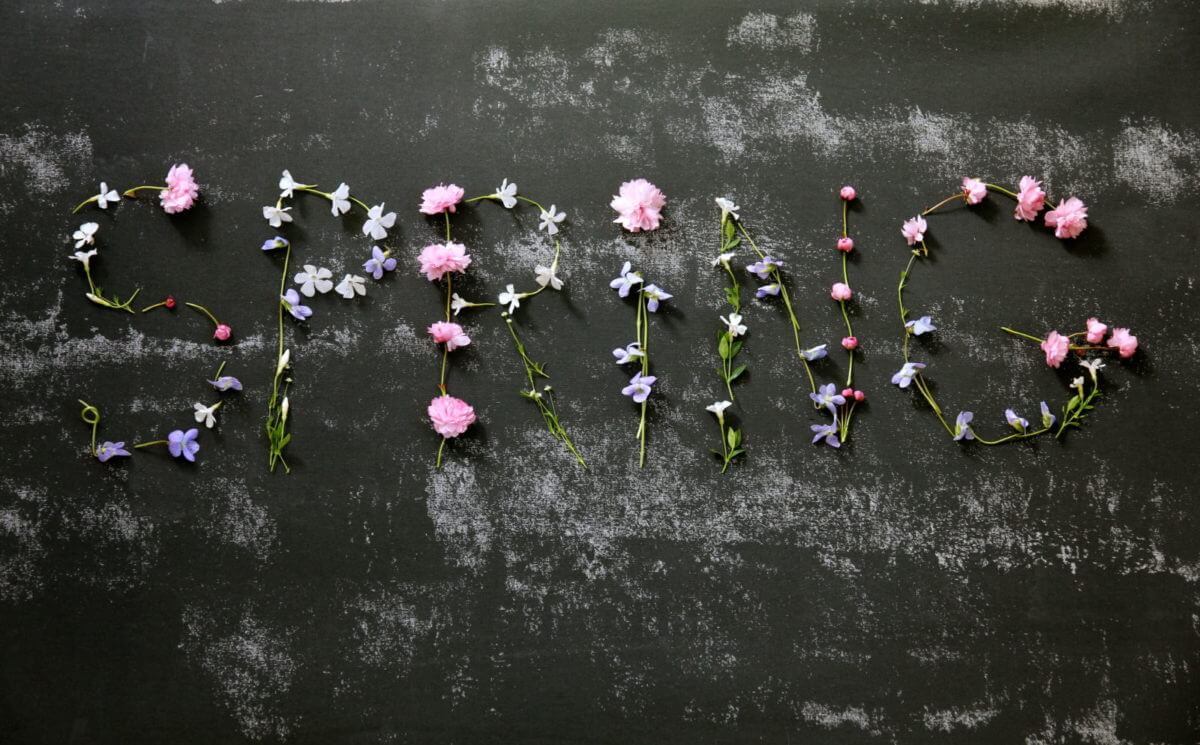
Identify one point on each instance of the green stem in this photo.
(944, 202)
(140, 445)
(441, 447)
(85, 203)
(1021, 334)
(205, 311)
(447, 216)
(94, 420)
(133, 192)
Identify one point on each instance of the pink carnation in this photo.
(841, 291)
(181, 191)
(441, 198)
(1124, 341)
(450, 334)
(1069, 219)
(1055, 346)
(639, 205)
(1030, 200)
(974, 189)
(1096, 331)
(914, 230)
(222, 332)
(850, 343)
(439, 258)
(450, 416)
(848, 193)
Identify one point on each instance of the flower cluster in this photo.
(841, 407)
(641, 385)
(732, 328)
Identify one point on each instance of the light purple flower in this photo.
(905, 374)
(183, 444)
(378, 263)
(962, 426)
(627, 279)
(815, 353)
(1048, 419)
(630, 353)
(111, 450)
(827, 432)
(271, 244)
(655, 294)
(763, 268)
(639, 387)
(1016, 422)
(922, 325)
(828, 396)
(291, 302)
(771, 289)
(226, 383)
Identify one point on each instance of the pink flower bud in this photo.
(1096, 331)
(845, 244)
(841, 291)
(860, 396)
(848, 193)
(847, 392)
(850, 343)
(222, 332)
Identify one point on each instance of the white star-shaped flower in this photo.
(313, 280)
(84, 257)
(351, 285)
(727, 208)
(548, 275)
(86, 235)
(734, 322)
(719, 408)
(339, 200)
(377, 222)
(507, 194)
(206, 414)
(1093, 367)
(550, 220)
(511, 298)
(723, 260)
(287, 184)
(276, 216)
(457, 303)
(106, 195)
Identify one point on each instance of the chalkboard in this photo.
(904, 588)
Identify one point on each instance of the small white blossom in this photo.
(719, 408)
(313, 280)
(84, 257)
(457, 303)
(350, 285)
(339, 200)
(723, 260)
(276, 216)
(1093, 367)
(106, 195)
(86, 235)
(507, 194)
(511, 298)
(734, 322)
(206, 414)
(283, 411)
(287, 184)
(377, 222)
(727, 208)
(550, 220)
(284, 359)
(548, 275)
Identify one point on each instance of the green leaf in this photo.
(737, 371)
(723, 347)
(728, 230)
(733, 295)
(731, 436)
(735, 348)
(735, 453)
(1071, 404)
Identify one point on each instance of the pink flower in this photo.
(860, 396)
(450, 334)
(974, 189)
(438, 258)
(441, 198)
(850, 343)
(1055, 346)
(841, 291)
(1123, 340)
(222, 332)
(845, 244)
(1096, 331)
(181, 191)
(639, 205)
(1068, 220)
(914, 230)
(1030, 200)
(450, 416)
(848, 193)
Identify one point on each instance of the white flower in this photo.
(276, 216)
(106, 195)
(507, 194)
(548, 275)
(86, 235)
(457, 303)
(719, 408)
(339, 200)
(84, 258)
(734, 322)
(205, 414)
(313, 280)
(550, 220)
(1093, 367)
(350, 285)
(511, 298)
(727, 208)
(287, 184)
(1078, 383)
(723, 260)
(377, 222)
(284, 359)
(283, 410)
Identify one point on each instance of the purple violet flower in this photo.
(1018, 423)
(627, 279)
(905, 374)
(763, 268)
(815, 353)
(226, 383)
(291, 302)
(271, 244)
(962, 426)
(828, 432)
(1048, 419)
(630, 353)
(654, 294)
(111, 450)
(378, 263)
(771, 289)
(183, 444)
(828, 397)
(639, 387)
(922, 325)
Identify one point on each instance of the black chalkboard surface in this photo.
(904, 588)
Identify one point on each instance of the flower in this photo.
(841, 292)
(1093, 367)
(1048, 419)
(845, 245)
(1055, 346)
(548, 275)
(630, 353)
(181, 191)
(860, 396)
(850, 343)
(815, 353)
(339, 200)
(914, 229)
(291, 303)
(85, 257)
(287, 184)
(169, 303)
(827, 432)
(226, 383)
(723, 260)
(735, 325)
(654, 295)
(625, 280)
(442, 198)
(377, 223)
(848, 193)
(271, 244)
(379, 263)
(764, 290)
(550, 220)
(763, 268)
(727, 208)
(507, 194)
(457, 303)
(206, 414)
(906, 373)
(639, 387)
(450, 416)
(1126, 342)
(106, 195)
(828, 396)
(450, 334)
(962, 426)
(1030, 199)
(183, 444)
(313, 280)
(1096, 331)
(351, 285)
(283, 410)
(639, 205)
(1016, 422)
(439, 258)
(111, 450)
(86, 235)
(284, 359)
(974, 190)
(511, 298)
(222, 332)
(922, 325)
(276, 216)
(719, 407)
(1069, 219)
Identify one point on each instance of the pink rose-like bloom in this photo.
(441, 198)
(841, 291)
(1124, 341)
(914, 230)
(222, 332)
(1055, 346)
(1069, 219)
(848, 193)
(850, 343)
(845, 244)
(181, 191)
(860, 396)
(974, 189)
(450, 416)
(1030, 199)
(1096, 331)
(639, 205)
(450, 334)
(439, 258)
